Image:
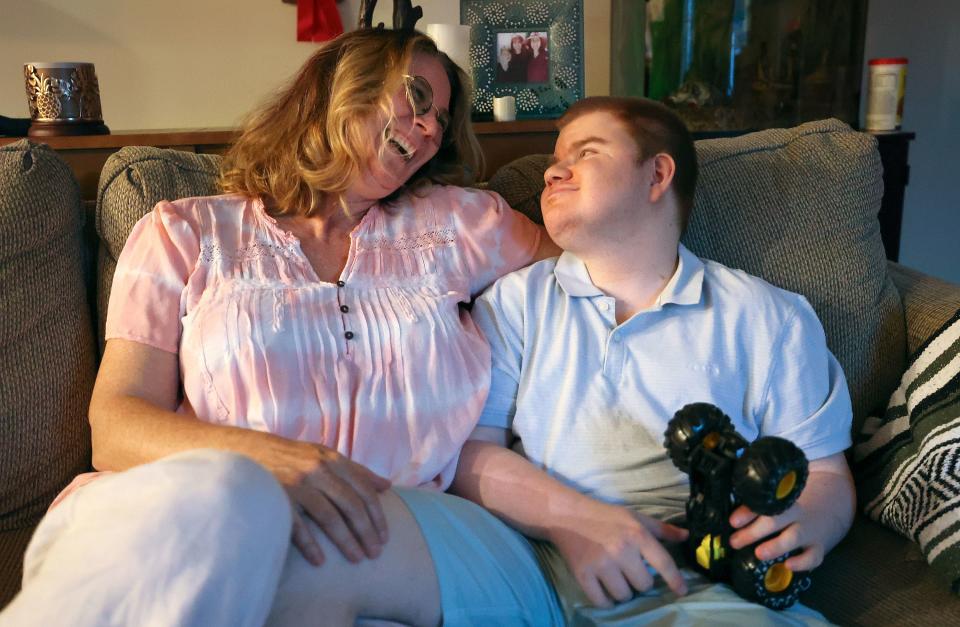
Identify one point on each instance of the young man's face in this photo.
(595, 187)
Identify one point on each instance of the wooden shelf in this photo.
(517, 126)
(501, 143)
(159, 137)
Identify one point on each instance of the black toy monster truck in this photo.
(725, 471)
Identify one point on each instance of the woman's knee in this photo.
(221, 484)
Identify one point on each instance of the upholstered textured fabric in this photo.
(797, 207)
(47, 354)
(134, 179)
(927, 303)
(520, 183)
(875, 577)
(12, 546)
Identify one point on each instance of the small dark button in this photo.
(340, 283)
(344, 308)
(348, 335)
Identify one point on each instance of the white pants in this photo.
(198, 538)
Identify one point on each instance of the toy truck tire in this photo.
(770, 475)
(768, 582)
(688, 428)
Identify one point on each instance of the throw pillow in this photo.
(133, 180)
(908, 460)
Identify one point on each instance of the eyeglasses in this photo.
(420, 95)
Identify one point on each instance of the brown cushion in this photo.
(797, 207)
(927, 303)
(132, 181)
(47, 357)
(46, 349)
(12, 545)
(875, 577)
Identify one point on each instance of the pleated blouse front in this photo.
(383, 365)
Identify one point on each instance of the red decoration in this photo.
(318, 20)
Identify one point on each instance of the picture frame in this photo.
(503, 35)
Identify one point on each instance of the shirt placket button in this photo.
(345, 309)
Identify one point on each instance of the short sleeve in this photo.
(146, 299)
(498, 312)
(806, 399)
(494, 239)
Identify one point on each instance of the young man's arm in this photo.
(604, 545)
(807, 401)
(816, 522)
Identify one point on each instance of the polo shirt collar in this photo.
(684, 288)
(686, 285)
(573, 277)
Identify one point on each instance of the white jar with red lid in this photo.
(887, 82)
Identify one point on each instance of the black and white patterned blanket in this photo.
(908, 461)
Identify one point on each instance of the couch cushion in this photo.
(12, 546)
(47, 357)
(132, 181)
(797, 207)
(875, 577)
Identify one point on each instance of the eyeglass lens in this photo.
(420, 95)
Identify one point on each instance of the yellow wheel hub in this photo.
(711, 440)
(786, 485)
(778, 578)
(710, 551)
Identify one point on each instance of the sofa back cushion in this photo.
(132, 181)
(47, 354)
(797, 207)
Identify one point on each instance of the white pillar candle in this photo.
(504, 108)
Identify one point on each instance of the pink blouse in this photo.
(384, 366)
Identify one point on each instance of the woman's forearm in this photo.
(133, 419)
(128, 431)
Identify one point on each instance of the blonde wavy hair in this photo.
(309, 142)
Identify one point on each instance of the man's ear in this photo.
(664, 168)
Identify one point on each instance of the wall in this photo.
(170, 64)
(197, 63)
(927, 32)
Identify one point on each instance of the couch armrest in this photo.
(928, 302)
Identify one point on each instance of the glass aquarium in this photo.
(733, 65)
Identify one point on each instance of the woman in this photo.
(503, 66)
(537, 59)
(309, 320)
(516, 71)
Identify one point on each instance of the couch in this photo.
(795, 206)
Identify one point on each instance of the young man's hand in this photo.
(815, 523)
(607, 549)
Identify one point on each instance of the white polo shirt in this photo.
(590, 399)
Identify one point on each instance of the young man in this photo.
(593, 352)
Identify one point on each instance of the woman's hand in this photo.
(136, 394)
(815, 523)
(608, 547)
(340, 496)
